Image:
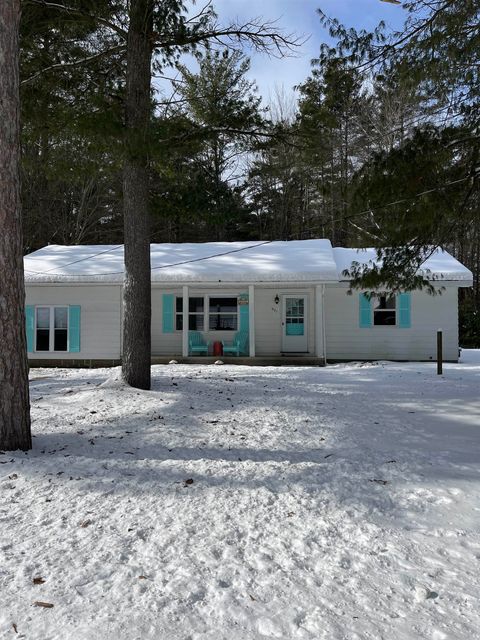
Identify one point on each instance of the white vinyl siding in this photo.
(346, 340)
(100, 326)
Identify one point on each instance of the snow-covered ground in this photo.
(236, 503)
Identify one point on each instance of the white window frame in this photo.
(381, 311)
(206, 310)
(51, 328)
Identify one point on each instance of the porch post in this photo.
(185, 323)
(319, 350)
(251, 320)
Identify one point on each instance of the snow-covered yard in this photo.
(240, 503)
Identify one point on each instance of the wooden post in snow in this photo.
(439, 352)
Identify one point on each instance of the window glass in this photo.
(196, 322)
(60, 342)
(195, 305)
(61, 317)
(384, 302)
(43, 340)
(295, 306)
(43, 329)
(195, 314)
(43, 317)
(223, 322)
(223, 315)
(384, 310)
(223, 305)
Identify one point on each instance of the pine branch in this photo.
(79, 12)
(74, 63)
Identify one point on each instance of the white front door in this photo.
(294, 324)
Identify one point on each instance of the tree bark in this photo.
(14, 392)
(137, 283)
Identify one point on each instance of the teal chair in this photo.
(239, 346)
(196, 343)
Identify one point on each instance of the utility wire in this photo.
(358, 214)
(163, 266)
(94, 255)
(260, 244)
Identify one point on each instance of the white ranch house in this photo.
(258, 301)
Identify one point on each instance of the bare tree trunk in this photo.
(14, 393)
(137, 284)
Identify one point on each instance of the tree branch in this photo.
(261, 35)
(79, 12)
(74, 63)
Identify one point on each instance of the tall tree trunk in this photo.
(137, 284)
(14, 394)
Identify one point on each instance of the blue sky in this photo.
(300, 16)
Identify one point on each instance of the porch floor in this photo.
(259, 361)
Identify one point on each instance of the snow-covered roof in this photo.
(439, 266)
(254, 261)
(214, 262)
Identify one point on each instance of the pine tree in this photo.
(137, 282)
(14, 392)
(224, 109)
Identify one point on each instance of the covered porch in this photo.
(280, 323)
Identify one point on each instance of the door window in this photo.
(294, 316)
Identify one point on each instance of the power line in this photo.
(232, 251)
(94, 255)
(358, 214)
(163, 266)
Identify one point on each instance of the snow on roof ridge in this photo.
(242, 261)
(441, 265)
(238, 261)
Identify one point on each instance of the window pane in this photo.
(384, 302)
(43, 340)
(61, 317)
(179, 303)
(195, 322)
(60, 340)
(43, 317)
(384, 317)
(179, 322)
(195, 305)
(294, 307)
(223, 305)
(222, 322)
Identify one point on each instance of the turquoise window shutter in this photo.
(74, 328)
(30, 326)
(365, 316)
(168, 312)
(404, 310)
(244, 315)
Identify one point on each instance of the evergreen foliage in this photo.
(381, 149)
